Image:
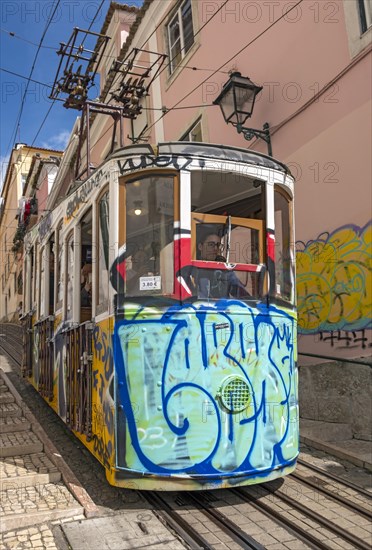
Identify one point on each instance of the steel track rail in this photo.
(335, 477)
(357, 542)
(334, 496)
(281, 520)
(17, 360)
(238, 535)
(176, 522)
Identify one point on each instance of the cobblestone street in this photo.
(50, 494)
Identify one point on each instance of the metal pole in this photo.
(88, 141)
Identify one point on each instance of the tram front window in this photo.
(227, 237)
(149, 235)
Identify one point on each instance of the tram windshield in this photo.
(228, 254)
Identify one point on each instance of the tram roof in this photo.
(204, 150)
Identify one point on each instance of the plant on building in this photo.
(19, 238)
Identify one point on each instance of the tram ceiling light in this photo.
(137, 209)
(236, 102)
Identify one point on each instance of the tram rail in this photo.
(11, 341)
(317, 517)
(190, 534)
(236, 533)
(211, 505)
(335, 477)
(291, 526)
(331, 494)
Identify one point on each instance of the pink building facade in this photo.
(314, 63)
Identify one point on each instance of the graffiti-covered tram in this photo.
(160, 316)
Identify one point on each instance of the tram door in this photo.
(27, 356)
(78, 344)
(78, 338)
(45, 327)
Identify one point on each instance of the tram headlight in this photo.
(234, 394)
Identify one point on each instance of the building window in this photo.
(180, 32)
(194, 133)
(358, 19)
(365, 14)
(23, 182)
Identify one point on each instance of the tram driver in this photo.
(216, 283)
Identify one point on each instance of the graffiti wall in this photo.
(209, 392)
(334, 286)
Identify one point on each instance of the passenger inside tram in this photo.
(86, 285)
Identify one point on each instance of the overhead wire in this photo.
(225, 63)
(14, 35)
(144, 108)
(18, 120)
(29, 79)
(146, 41)
(175, 107)
(107, 56)
(25, 77)
(166, 16)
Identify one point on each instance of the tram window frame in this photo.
(86, 260)
(59, 263)
(249, 223)
(102, 305)
(32, 278)
(69, 276)
(42, 283)
(28, 280)
(36, 284)
(244, 206)
(51, 270)
(244, 280)
(291, 296)
(122, 229)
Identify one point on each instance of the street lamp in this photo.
(236, 102)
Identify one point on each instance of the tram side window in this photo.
(35, 278)
(59, 274)
(149, 236)
(42, 282)
(284, 248)
(51, 245)
(86, 268)
(70, 278)
(103, 251)
(32, 275)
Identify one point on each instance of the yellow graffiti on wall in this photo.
(334, 282)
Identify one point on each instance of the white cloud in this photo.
(58, 142)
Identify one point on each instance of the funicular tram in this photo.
(160, 316)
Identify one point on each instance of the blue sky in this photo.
(27, 19)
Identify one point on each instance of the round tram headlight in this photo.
(234, 393)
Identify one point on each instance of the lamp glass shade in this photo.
(227, 106)
(237, 98)
(244, 103)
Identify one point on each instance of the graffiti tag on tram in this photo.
(83, 193)
(163, 161)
